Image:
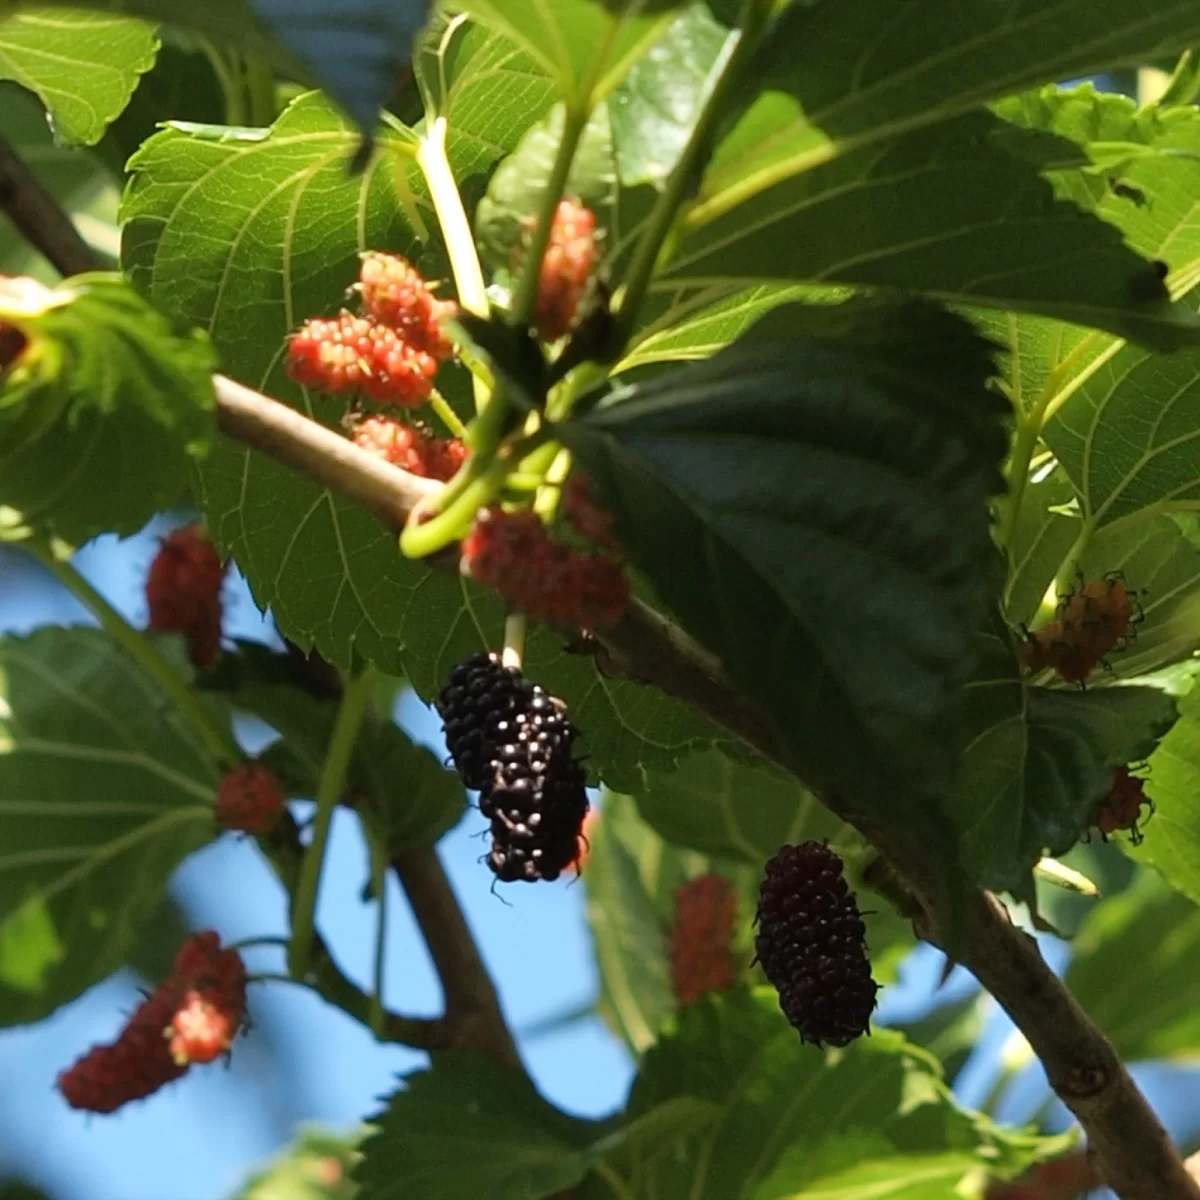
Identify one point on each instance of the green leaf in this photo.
(742, 811)
(153, 953)
(1172, 835)
(1039, 761)
(76, 179)
(828, 80)
(515, 191)
(902, 1177)
(588, 46)
(1159, 930)
(630, 874)
(285, 224)
(819, 491)
(1153, 553)
(966, 221)
(83, 66)
(401, 788)
(792, 1116)
(316, 1166)
(104, 790)
(654, 108)
(109, 386)
(951, 1032)
(182, 86)
(1127, 437)
(468, 1127)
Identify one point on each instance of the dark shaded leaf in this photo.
(812, 502)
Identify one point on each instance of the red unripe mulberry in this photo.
(566, 270)
(409, 448)
(347, 354)
(548, 580)
(701, 938)
(250, 798)
(183, 592)
(395, 294)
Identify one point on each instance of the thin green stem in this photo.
(218, 740)
(456, 231)
(1064, 577)
(515, 628)
(549, 495)
(449, 417)
(231, 85)
(379, 866)
(726, 70)
(615, 1182)
(260, 91)
(575, 122)
(250, 943)
(330, 788)
(1024, 445)
(420, 539)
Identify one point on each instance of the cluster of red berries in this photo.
(406, 446)
(701, 938)
(514, 553)
(391, 353)
(250, 798)
(191, 1017)
(1094, 621)
(566, 271)
(1122, 807)
(183, 592)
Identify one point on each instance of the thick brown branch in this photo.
(1130, 1147)
(472, 1008)
(40, 218)
(328, 458)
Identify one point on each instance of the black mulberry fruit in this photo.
(811, 944)
(512, 742)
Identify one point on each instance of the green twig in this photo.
(550, 493)
(515, 627)
(260, 91)
(330, 788)
(228, 78)
(525, 299)
(449, 417)
(725, 72)
(456, 231)
(218, 740)
(379, 866)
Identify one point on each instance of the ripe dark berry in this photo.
(348, 354)
(249, 799)
(409, 448)
(701, 938)
(395, 294)
(1122, 807)
(183, 592)
(512, 742)
(811, 944)
(566, 270)
(551, 581)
